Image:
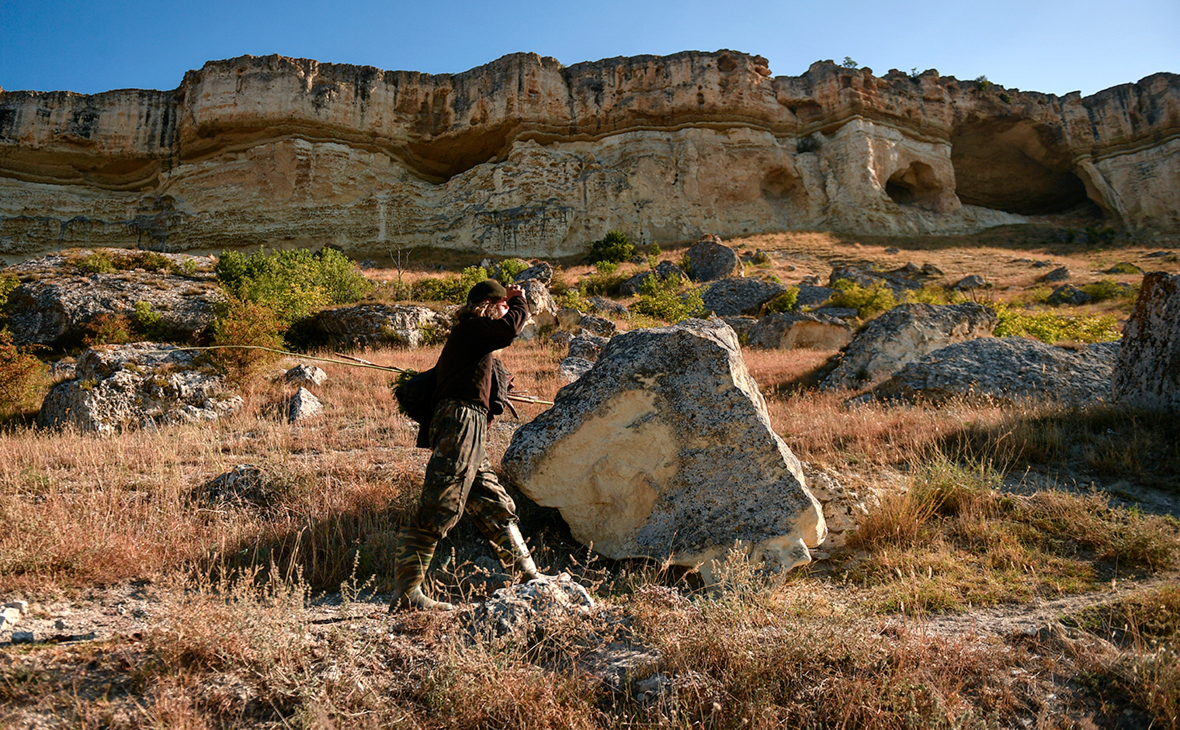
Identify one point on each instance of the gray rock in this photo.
(561, 338)
(664, 450)
(541, 271)
(845, 313)
(542, 309)
(734, 296)
(23, 637)
(572, 368)
(531, 608)
(244, 483)
(813, 296)
(844, 507)
(9, 617)
(899, 281)
(587, 346)
(303, 405)
(1009, 369)
(709, 260)
(1148, 371)
(741, 326)
(144, 384)
(967, 283)
(602, 305)
(367, 325)
(1068, 294)
(308, 374)
(902, 335)
(893, 250)
(598, 326)
(1058, 274)
(791, 330)
(54, 306)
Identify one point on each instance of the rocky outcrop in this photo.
(55, 303)
(1148, 371)
(791, 330)
(135, 386)
(904, 334)
(736, 296)
(526, 157)
(1008, 370)
(367, 325)
(664, 450)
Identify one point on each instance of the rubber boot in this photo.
(411, 560)
(513, 551)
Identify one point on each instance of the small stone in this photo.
(303, 405)
(967, 283)
(302, 373)
(892, 250)
(59, 624)
(22, 606)
(22, 637)
(8, 618)
(1059, 274)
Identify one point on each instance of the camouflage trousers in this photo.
(459, 476)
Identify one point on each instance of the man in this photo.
(459, 474)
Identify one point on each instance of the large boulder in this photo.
(709, 260)
(734, 296)
(542, 308)
(1148, 371)
(140, 385)
(366, 325)
(791, 330)
(904, 334)
(542, 271)
(1008, 369)
(664, 450)
(56, 302)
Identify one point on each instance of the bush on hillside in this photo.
(1051, 327)
(613, 247)
(449, 288)
(867, 301)
(293, 284)
(661, 298)
(21, 376)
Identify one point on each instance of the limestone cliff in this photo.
(525, 156)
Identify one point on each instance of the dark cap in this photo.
(486, 289)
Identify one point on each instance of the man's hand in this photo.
(514, 290)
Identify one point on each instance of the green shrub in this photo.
(109, 329)
(1051, 327)
(253, 324)
(573, 299)
(149, 322)
(21, 376)
(449, 288)
(605, 282)
(784, 302)
(97, 262)
(293, 284)
(613, 247)
(932, 295)
(661, 298)
(8, 283)
(508, 270)
(1125, 267)
(1105, 289)
(867, 301)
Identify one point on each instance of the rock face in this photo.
(362, 325)
(664, 450)
(525, 157)
(904, 334)
(735, 296)
(55, 303)
(140, 385)
(1007, 369)
(1148, 371)
(790, 330)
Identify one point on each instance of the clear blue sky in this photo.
(1053, 46)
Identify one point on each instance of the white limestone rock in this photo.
(542, 309)
(303, 405)
(664, 450)
(306, 374)
(791, 330)
(1147, 374)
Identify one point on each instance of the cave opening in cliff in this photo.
(1017, 166)
(916, 185)
(784, 190)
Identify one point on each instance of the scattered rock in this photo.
(1059, 274)
(932, 271)
(733, 296)
(587, 346)
(664, 450)
(542, 271)
(143, 384)
(598, 326)
(1148, 371)
(1068, 294)
(245, 483)
(572, 368)
(791, 330)
(561, 338)
(972, 281)
(368, 325)
(568, 318)
(308, 374)
(709, 260)
(892, 250)
(303, 405)
(845, 313)
(899, 280)
(813, 296)
(664, 270)
(902, 335)
(9, 617)
(23, 637)
(843, 507)
(1009, 369)
(529, 608)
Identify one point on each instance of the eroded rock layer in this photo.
(525, 156)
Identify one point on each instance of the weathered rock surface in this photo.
(969, 282)
(735, 296)
(1068, 294)
(899, 281)
(526, 157)
(542, 272)
(1008, 369)
(55, 303)
(587, 346)
(305, 374)
(528, 608)
(244, 484)
(542, 308)
(813, 296)
(904, 334)
(1148, 371)
(664, 450)
(303, 405)
(140, 385)
(709, 259)
(598, 326)
(1061, 273)
(843, 507)
(572, 368)
(791, 330)
(362, 325)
